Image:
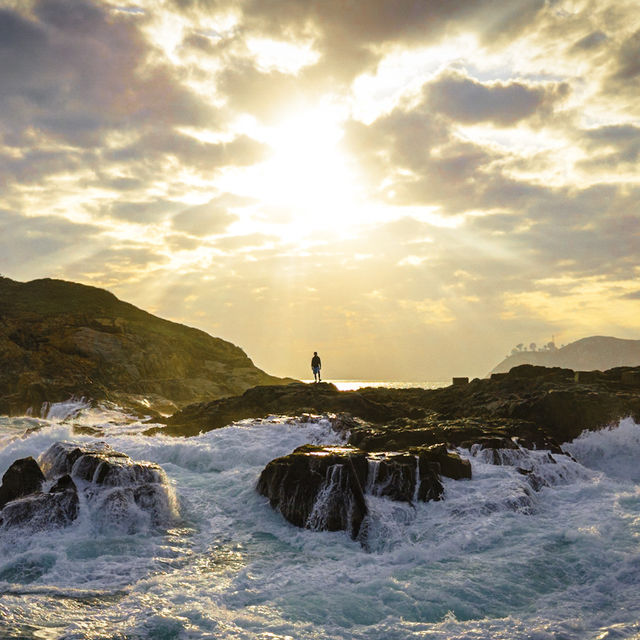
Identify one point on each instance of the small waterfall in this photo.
(373, 469)
(416, 489)
(339, 503)
(323, 516)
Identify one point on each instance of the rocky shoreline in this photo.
(399, 443)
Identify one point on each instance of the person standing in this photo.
(316, 365)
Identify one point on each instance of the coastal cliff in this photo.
(60, 339)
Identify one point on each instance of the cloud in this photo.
(502, 104)
(28, 244)
(206, 219)
(266, 94)
(145, 212)
(116, 265)
(204, 156)
(351, 37)
(611, 145)
(591, 41)
(627, 62)
(75, 71)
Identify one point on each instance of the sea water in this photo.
(493, 560)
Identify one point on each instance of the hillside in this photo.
(59, 339)
(588, 354)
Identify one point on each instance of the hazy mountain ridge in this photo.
(60, 338)
(588, 354)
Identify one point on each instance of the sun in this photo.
(307, 180)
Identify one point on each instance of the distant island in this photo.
(60, 339)
(588, 354)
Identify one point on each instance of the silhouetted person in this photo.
(316, 365)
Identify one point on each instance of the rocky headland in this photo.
(399, 443)
(592, 353)
(61, 339)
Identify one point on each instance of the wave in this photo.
(535, 547)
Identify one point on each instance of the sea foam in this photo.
(497, 558)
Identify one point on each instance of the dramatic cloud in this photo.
(410, 188)
(502, 104)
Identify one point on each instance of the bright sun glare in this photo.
(307, 177)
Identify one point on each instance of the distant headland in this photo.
(588, 354)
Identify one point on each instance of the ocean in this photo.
(352, 385)
(490, 561)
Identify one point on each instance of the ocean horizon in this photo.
(353, 384)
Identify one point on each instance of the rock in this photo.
(118, 492)
(324, 488)
(259, 402)
(318, 487)
(21, 478)
(61, 339)
(403, 477)
(541, 407)
(42, 510)
(631, 378)
(446, 463)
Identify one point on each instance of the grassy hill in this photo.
(59, 339)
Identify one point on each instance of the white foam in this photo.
(494, 560)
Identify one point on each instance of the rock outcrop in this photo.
(400, 442)
(259, 402)
(323, 488)
(118, 492)
(539, 406)
(20, 479)
(60, 339)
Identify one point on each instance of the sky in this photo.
(408, 187)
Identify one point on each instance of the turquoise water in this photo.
(491, 561)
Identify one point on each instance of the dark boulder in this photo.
(403, 477)
(318, 488)
(446, 463)
(118, 491)
(41, 511)
(324, 488)
(22, 478)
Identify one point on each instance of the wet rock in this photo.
(42, 510)
(22, 478)
(260, 402)
(403, 477)
(447, 463)
(324, 488)
(318, 487)
(118, 491)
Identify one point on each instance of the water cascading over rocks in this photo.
(323, 488)
(119, 493)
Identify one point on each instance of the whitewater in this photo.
(493, 560)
